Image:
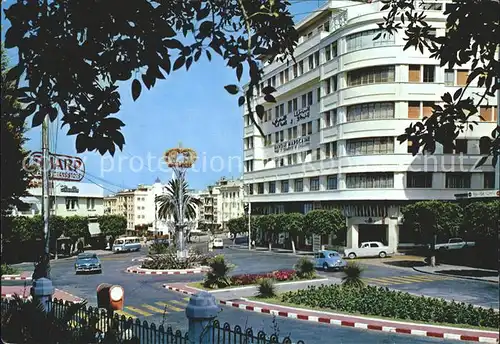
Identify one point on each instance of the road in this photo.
(147, 300)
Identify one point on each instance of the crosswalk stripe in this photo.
(154, 309)
(375, 280)
(186, 298)
(400, 280)
(164, 304)
(127, 315)
(418, 279)
(139, 311)
(178, 303)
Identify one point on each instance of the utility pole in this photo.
(45, 190)
(249, 225)
(497, 167)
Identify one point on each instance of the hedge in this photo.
(383, 302)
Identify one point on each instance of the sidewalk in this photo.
(460, 272)
(273, 250)
(237, 298)
(24, 293)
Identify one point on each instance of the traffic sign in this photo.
(479, 194)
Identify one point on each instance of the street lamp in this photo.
(210, 191)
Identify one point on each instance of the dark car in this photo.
(88, 262)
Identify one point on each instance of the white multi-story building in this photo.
(330, 139)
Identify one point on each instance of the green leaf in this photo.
(481, 161)
(189, 61)
(81, 143)
(239, 71)
(260, 110)
(136, 89)
(241, 101)
(39, 117)
(173, 44)
(209, 55)
(232, 89)
(179, 62)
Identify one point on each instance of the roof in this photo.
(86, 255)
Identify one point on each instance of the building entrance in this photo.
(370, 232)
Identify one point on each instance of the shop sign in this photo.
(62, 167)
(292, 144)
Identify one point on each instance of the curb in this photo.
(307, 254)
(29, 297)
(454, 276)
(360, 325)
(137, 270)
(15, 278)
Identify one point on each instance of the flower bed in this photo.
(247, 279)
(383, 302)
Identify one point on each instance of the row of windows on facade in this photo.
(230, 194)
(375, 180)
(72, 203)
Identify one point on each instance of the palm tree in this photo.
(170, 203)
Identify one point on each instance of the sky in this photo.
(189, 108)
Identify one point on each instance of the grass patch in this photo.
(277, 301)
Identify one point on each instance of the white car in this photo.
(369, 249)
(218, 243)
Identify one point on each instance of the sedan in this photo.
(218, 243)
(88, 262)
(327, 260)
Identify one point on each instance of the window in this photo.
(370, 111)
(370, 146)
(414, 110)
(331, 183)
(287, 77)
(330, 118)
(458, 180)
(304, 129)
(90, 203)
(304, 100)
(431, 6)
(318, 94)
(295, 103)
(290, 106)
(318, 153)
(462, 75)
(276, 137)
(419, 180)
(489, 180)
(316, 59)
(282, 78)
(364, 39)
(370, 75)
(299, 185)
(427, 109)
(301, 67)
(272, 187)
(284, 186)
(71, 203)
(260, 188)
(295, 71)
(282, 136)
(414, 73)
(487, 113)
(331, 85)
(250, 189)
(311, 62)
(314, 184)
(328, 53)
(331, 150)
(373, 180)
(449, 77)
(429, 73)
(310, 98)
(309, 128)
(461, 146)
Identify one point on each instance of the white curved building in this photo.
(331, 137)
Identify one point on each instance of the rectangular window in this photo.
(361, 40)
(371, 75)
(311, 62)
(71, 203)
(461, 146)
(328, 53)
(370, 111)
(328, 86)
(295, 103)
(250, 189)
(272, 187)
(429, 73)
(419, 180)
(309, 128)
(458, 180)
(462, 75)
(414, 73)
(370, 146)
(318, 153)
(282, 109)
(374, 180)
(309, 98)
(331, 182)
(489, 180)
(298, 185)
(414, 110)
(287, 77)
(427, 109)
(284, 186)
(282, 78)
(304, 100)
(290, 134)
(485, 113)
(314, 184)
(334, 49)
(295, 71)
(449, 77)
(301, 67)
(290, 106)
(260, 188)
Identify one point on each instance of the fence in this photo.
(92, 325)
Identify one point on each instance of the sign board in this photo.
(479, 194)
(292, 144)
(73, 189)
(316, 242)
(62, 167)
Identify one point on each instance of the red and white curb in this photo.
(16, 278)
(338, 322)
(137, 270)
(29, 297)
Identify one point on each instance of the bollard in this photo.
(201, 310)
(42, 290)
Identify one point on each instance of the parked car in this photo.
(88, 262)
(327, 260)
(369, 249)
(218, 243)
(455, 244)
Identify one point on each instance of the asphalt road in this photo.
(147, 300)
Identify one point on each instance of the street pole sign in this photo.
(479, 194)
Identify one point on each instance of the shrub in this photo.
(7, 270)
(266, 288)
(159, 248)
(170, 260)
(352, 275)
(305, 268)
(280, 275)
(378, 301)
(218, 277)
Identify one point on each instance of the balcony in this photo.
(249, 131)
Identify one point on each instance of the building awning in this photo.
(94, 229)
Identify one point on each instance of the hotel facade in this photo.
(330, 139)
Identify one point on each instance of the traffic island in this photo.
(23, 292)
(142, 271)
(274, 308)
(23, 276)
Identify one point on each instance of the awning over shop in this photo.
(94, 229)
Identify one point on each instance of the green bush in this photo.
(266, 288)
(383, 302)
(7, 270)
(352, 275)
(305, 268)
(170, 260)
(218, 276)
(158, 248)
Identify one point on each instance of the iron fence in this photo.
(91, 325)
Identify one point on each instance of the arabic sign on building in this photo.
(292, 144)
(62, 167)
(73, 189)
(302, 113)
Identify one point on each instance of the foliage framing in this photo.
(73, 54)
(463, 43)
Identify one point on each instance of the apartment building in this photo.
(330, 139)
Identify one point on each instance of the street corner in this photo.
(181, 288)
(142, 271)
(23, 276)
(23, 292)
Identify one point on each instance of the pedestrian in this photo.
(80, 246)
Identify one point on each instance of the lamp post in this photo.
(248, 211)
(210, 191)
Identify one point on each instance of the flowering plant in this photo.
(280, 275)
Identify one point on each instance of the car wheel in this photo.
(325, 267)
(352, 255)
(382, 254)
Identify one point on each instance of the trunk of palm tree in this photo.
(293, 246)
